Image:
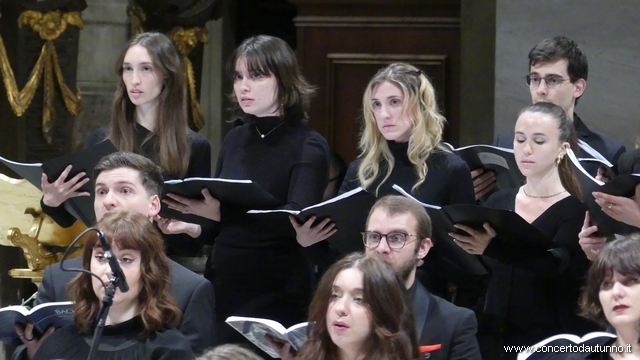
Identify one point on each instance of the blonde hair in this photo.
(428, 125)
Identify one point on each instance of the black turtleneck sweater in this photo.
(119, 341)
(448, 182)
(291, 163)
(448, 178)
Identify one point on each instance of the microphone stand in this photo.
(107, 301)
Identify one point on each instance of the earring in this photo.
(559, 160)
(282, 109)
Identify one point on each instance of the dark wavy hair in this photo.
(621, 255)
(129, 230)
(172, 127)
(269, 55)
(561, 48)
(567, 134)
(393, 332)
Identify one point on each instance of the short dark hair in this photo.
(398, 205)
(150, 173)
(269, 55)
(393, 331)
(558, 48)
(621, 255)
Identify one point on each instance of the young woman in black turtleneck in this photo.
(148, 117)
(401, 144)
(255, 270)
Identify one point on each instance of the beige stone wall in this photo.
(608, 33)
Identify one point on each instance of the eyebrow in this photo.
(142, 63)
(534, 134)
(336, 287)
(391, 231)
(123, 182)
(552, 74)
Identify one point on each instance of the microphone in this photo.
(121, 281)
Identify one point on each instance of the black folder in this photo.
(348, 211)
(623, 185)
(241, 193)
(492, 158)
(510, 227)
(85, 160)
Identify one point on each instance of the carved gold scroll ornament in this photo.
(49, 26)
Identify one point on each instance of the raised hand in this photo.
(57, 192)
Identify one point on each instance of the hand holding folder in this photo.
(610, 204)
(348, 211)
(83, 161)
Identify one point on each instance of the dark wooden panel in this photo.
(378, 7)
(347, 78)
(384, 39)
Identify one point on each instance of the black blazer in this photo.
(192, 292)
(440, 322)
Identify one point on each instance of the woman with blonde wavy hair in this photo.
(401, 143)
(401, 140)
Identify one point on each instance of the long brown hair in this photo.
(428, 125)
(393, 332)
(173, 148)
(269, 55)
(567, 134)
(129, 230)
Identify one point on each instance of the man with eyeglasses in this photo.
(558, 71)
(398, 231)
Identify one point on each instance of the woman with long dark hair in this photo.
(361, 311)
(149, 117)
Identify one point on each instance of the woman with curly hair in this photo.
(401, 143)
(361, 311)
(139, 324)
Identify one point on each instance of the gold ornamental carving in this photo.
(49, 26)
(185, 39)
(136, 18)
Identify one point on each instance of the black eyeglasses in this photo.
(395, 239)
(552, 81)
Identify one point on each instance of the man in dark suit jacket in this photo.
(120, 186)
(445, 331)
(558, 72)
(438, 322)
